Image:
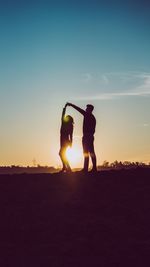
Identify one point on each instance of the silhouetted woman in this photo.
(66, 133)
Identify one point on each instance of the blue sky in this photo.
(80, 51)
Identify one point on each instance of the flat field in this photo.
(61, 220)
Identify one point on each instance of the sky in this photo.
(84, 52)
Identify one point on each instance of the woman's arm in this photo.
(63, 114)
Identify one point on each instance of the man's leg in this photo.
(93, 155)
(94, 161)
(86, 155)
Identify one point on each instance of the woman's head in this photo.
(69, 119)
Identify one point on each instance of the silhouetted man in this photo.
(89, 124)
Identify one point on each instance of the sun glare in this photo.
(74, 156)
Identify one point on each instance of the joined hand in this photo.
(68, 104)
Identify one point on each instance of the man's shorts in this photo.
(88, 144)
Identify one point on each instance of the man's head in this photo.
(89, 108)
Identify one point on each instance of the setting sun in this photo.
(74, 156)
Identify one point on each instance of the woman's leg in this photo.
(62, 153)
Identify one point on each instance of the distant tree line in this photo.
(19, 169)
(116, 165)
(123, 165)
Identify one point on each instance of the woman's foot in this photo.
(68, 170)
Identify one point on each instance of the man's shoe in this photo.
(93, 171)
(84, 171)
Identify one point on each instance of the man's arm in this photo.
(82, 111)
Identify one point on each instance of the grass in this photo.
(75, 220)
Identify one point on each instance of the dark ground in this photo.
(75, 220)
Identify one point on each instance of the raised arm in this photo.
(63, 113)
(82, 111)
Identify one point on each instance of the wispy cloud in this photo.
(105, 79)
(138, 86)
(87, 77)
(145, 125)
